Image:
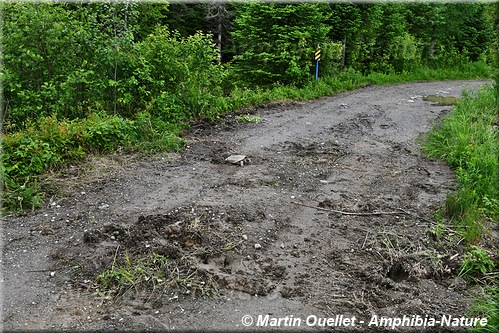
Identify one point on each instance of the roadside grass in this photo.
(487, 306)
(467, 139)
(48, 142)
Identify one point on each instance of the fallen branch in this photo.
(42, 270)
(347, 213)
(397, 212)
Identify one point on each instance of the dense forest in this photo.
(94, 76)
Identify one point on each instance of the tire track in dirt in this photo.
(353, 152)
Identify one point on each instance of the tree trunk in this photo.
(343, 53)
(219, 40)
(216, 10)
(432, 45)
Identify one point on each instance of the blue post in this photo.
(317, 70)
(317, 58)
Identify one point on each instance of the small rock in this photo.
(245, 237)
(257, 246)
(103, 206)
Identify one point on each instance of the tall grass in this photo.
(487, 306)
(467, 140)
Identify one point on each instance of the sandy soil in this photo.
(331, 216)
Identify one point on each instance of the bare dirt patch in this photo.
(332, 215)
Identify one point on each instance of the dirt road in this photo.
(331, 216)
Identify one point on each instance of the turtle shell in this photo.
(235, 159)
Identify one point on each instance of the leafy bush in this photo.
(50, 142)
(176, 78)
(476, 261)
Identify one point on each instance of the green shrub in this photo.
(177, 78)
(476, 262)
(104, 133)
(51, 141)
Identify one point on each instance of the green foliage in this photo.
(385, 37)
(275, 43)
(487, 306)
(155, 135)
(476, 262)
(467, 140)
(84, 58)
(51, 141)
(495, 53)
(69, 66)
(177, 78)
(330, 62)
(149, 272)
(246, 118)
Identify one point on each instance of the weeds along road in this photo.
(330, 217)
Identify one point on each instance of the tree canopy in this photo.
(72, 59)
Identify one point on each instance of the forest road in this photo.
(331, 216)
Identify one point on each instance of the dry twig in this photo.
(396, 212)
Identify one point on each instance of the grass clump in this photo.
(487, 306)
(467, 140)
(476, 262)
(153, 272)
(247, 118)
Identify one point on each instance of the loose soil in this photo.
(332, 215)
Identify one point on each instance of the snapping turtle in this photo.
(237, 159)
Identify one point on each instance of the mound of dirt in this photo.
(202, 242)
